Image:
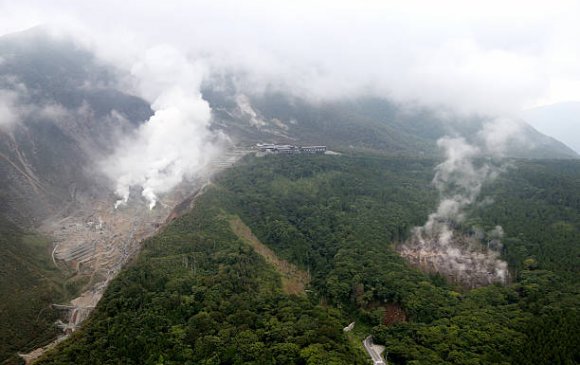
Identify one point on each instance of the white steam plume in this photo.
(459, 180)
(175, 143)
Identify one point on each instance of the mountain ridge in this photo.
(558, 120)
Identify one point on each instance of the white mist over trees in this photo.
(437, 245)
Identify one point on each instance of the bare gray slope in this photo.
(68, 115)
(65, 114)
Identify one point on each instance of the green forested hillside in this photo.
(29, 283)
(197, 294)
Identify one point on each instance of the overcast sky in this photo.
(494, 57)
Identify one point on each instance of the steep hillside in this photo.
(338, 218)
(61, 114)
(199, 294)
(66, 114)
(62, 111)
(29, 283)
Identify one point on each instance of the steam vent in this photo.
(462, 259)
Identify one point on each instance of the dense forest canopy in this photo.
(198, 293)
(29, 284)
(212, 182)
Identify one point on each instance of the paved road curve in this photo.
(368, 344)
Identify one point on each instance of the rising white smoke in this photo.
(436, 246)
(175, 143)
(8, 114)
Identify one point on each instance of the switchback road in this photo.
(376, 357)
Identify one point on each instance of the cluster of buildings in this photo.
(289, 149)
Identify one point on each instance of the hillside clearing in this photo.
(294, 280)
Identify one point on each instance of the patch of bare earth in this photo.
(294, 280)
(95, 240)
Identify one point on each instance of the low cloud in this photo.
(9, 114)
(16, 108)
(491, 58)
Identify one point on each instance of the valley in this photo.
(94, 243)
(165, 209)
(326, 215)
